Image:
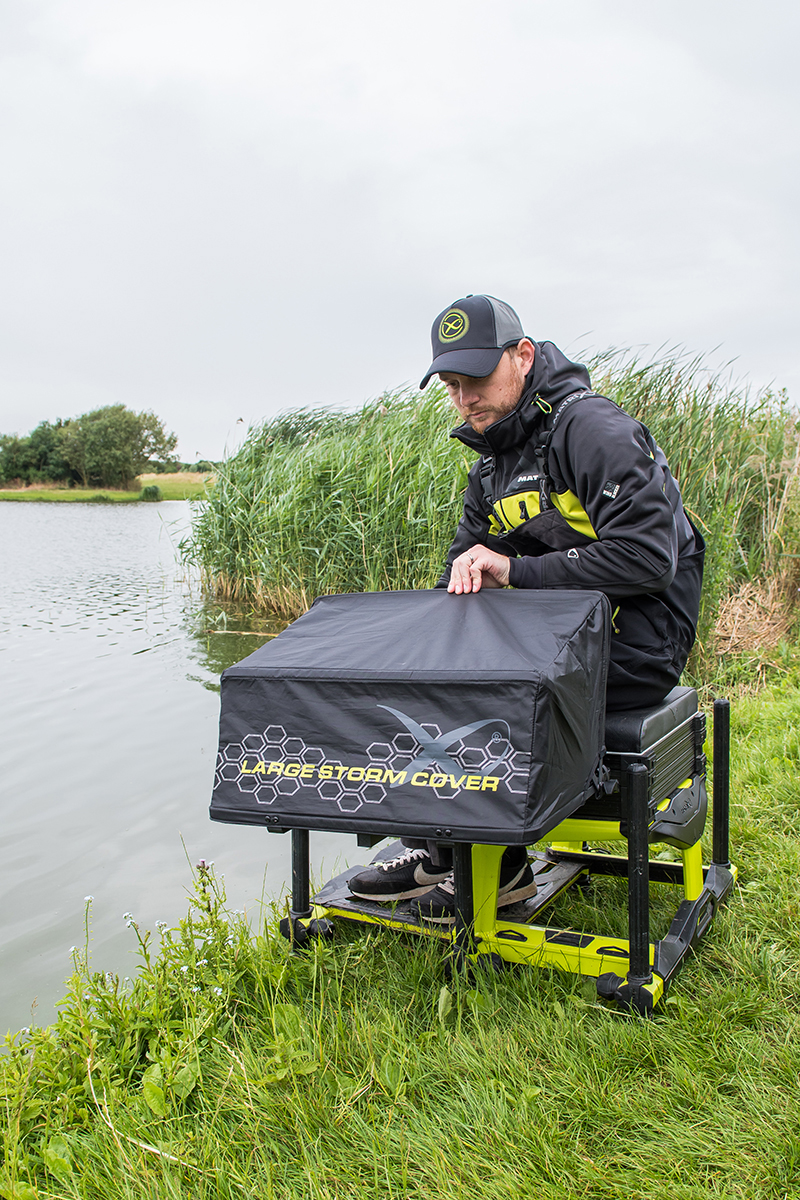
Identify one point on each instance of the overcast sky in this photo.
(219, 210)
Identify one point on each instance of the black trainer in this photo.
(516, 883)
(410, 873)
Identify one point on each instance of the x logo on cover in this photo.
(434, 749)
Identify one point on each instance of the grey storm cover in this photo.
(479, 718)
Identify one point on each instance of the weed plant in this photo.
(232, 1067)
(320, 501)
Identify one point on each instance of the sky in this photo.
(221, 210)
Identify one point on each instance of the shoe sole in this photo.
(390, 899)
(513, 896)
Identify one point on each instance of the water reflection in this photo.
(224, 634)
(110, 662)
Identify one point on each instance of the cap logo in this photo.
(453, 325)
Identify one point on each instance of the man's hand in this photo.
(477, 568)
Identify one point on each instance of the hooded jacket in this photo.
(578, 495)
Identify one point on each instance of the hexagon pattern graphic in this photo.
(475, 754)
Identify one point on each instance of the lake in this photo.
(109, 709)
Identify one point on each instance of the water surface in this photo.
(109, 664)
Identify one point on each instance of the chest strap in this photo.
(540, 450)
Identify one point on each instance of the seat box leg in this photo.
(485, 882)
(722, 777)
(301, 886)
(638, 878)
(692, 871)
(465, 911)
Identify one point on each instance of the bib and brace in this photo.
(529, 503)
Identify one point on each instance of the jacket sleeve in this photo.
(621, 480)
(473, 528)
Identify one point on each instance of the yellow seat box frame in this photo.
(654, 791)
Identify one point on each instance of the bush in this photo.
(151, 493)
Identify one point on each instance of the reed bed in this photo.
(319, 501)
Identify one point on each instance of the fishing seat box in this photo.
(476, 718)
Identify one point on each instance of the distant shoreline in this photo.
(180, 485)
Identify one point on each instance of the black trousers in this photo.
(644, 689)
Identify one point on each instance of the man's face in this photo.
(481, 402)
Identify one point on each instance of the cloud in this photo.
(218, 210)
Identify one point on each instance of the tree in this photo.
(110, 446)
(35, 458)
(45, 456)
(14, 458)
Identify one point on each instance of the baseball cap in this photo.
(470, 336)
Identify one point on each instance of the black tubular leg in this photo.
(465, 907)
(301, 887)
(638, 877)
(722, 783)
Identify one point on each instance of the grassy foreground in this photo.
(182, 485)
(230, 1067)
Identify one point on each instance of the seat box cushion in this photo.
(635, 730)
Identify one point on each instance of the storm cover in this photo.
(476, 718)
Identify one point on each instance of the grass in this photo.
(318, 501)
(231, 1067)
(182, 485)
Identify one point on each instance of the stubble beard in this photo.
(497, 412)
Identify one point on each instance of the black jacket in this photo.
(578, 495)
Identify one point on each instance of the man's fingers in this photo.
(467, 571)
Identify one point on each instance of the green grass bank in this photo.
(179, 486)
(321, 501)
(230, 1067)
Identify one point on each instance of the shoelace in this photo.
(402, 860)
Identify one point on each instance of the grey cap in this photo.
(470, 336)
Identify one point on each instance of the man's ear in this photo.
(526, 353)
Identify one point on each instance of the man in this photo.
(568, 492)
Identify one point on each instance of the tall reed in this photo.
(319, 501)
(735, 455)
(323, 501)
